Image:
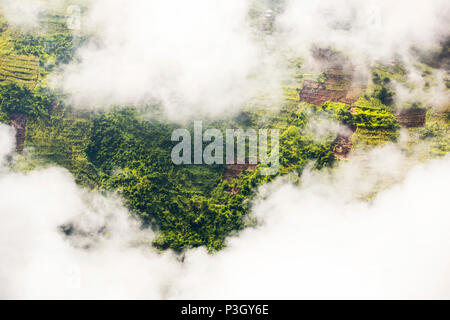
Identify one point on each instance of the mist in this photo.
(367, 31)
(25, 14)
(374, 227)
(197, 58)
(22, 13)
(433, 94)
(105, 253)
(7, 143)
(319, 239)
(206, 59)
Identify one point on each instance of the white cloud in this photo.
(436, 95)
(26, 13)
(319, 242)
(314, 241)
(367, 30)
(7, 143)
(23, 13)
(194, 56)
(38, 261)
(107, 257)
(323, 127)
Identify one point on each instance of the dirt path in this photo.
(19, 122)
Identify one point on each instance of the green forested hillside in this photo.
(121, 151)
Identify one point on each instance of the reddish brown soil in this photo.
(316, 93)
(233, 171)
(338, 87)
(412, 118)
(19, 122)
(342, 147)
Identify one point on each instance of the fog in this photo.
(199, 58)
(208, 59)
(369, 30)
(25, 14)
(435, 96)
(107, 255)
(314, 240)
(7, 143)
(320, 242)
(22, 13)
(374, 227)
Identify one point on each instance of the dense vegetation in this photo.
(19, 99)
(119, 151)
(191, 205)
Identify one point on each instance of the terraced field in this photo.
(14, 67)
(20, 69)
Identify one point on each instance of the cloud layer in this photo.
(367, 30)
(205, 58)
(195, 57)
(318, 240)
(7, 143)
(202, 58)
(107, 255)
